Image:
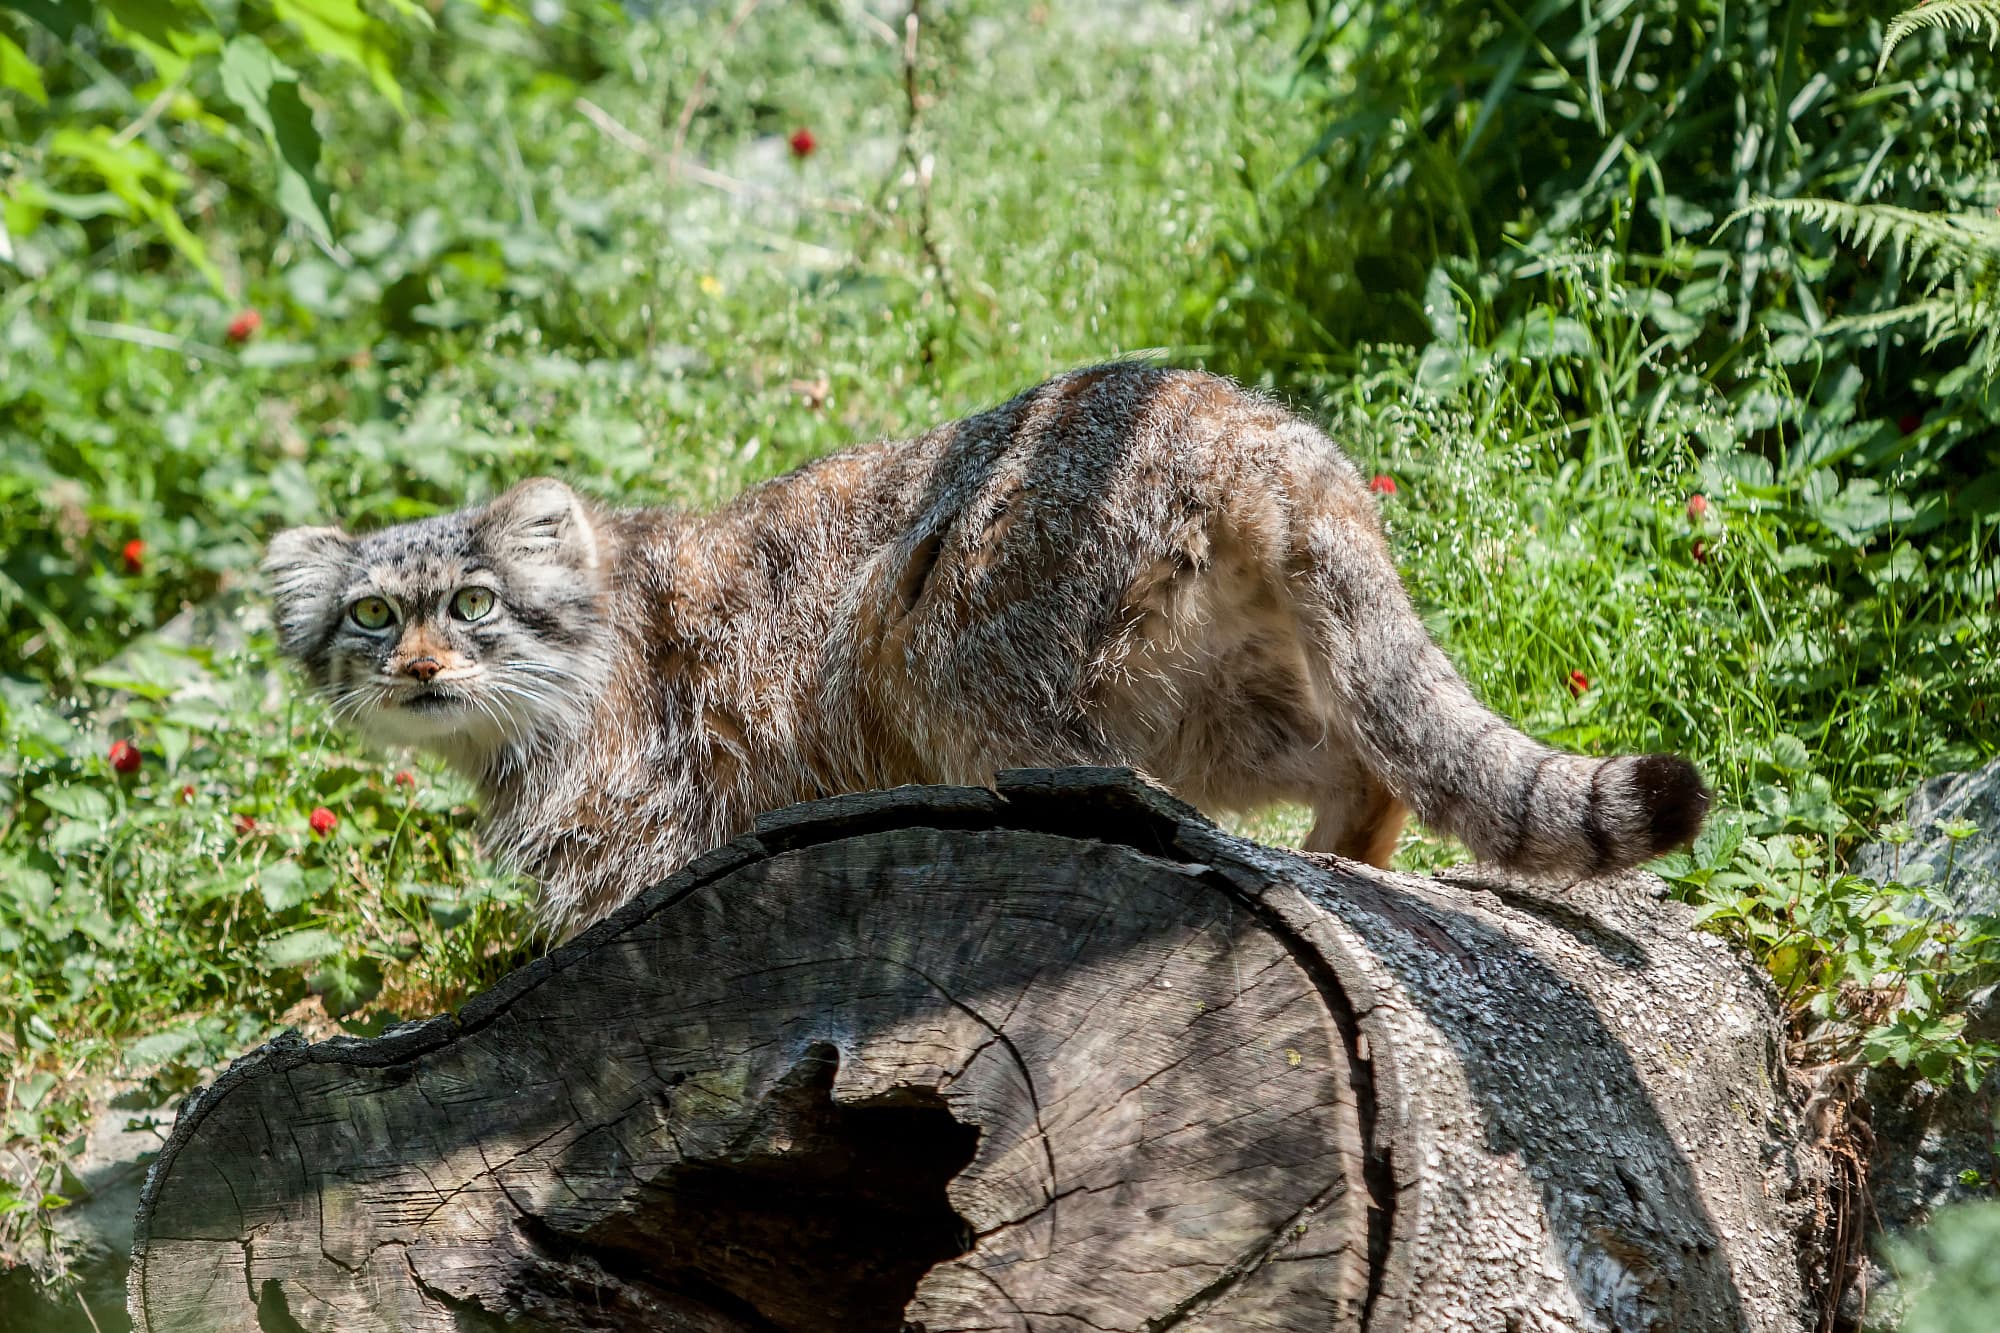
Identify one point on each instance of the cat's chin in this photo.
(448, 726)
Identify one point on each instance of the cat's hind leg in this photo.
(1361, 823)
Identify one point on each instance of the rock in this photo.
(1935, 1145)
(1935, 1142)
(93, 1236)
(1964, 882)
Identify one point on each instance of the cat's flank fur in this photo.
(1126, 565)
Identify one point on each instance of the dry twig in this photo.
(920, 163)
(700, 89)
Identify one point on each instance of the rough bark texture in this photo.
(1060, 1056)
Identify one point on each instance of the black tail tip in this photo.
(1676, 799)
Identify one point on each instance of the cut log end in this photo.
(1059, 1056)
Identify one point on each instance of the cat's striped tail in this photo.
(1458, 765)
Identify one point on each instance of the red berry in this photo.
(124, 756)
(135, 556)
(405, 778)
(1578, 683)
(245, 824)
(186, 792)
(1701, 552)
(322, 820)
(802, 142)
(1909, 421)
(1697, 506)
(1383, 484)
(246, 323)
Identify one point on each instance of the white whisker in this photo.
(541, 668)
(561, 708)
(499, 722)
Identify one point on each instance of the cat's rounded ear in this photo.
(542, 519)
(305, 569)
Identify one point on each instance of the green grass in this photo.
(525, 287)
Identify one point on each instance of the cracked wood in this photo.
(1058, 1056)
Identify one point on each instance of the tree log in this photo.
(1057, 1056)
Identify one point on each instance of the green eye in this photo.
(371, 613)
(471, 603)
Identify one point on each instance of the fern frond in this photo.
(1967, 311)
(1954, 259)
(1936, 313)
(1973, 16)
(1948, 241)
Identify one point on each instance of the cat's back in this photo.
(1085, 437)
(1056, 500)
(1097, 472)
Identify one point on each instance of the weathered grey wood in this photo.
(1058, 1056)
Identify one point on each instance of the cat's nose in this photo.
(423, 668)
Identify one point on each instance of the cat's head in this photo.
(473, 634)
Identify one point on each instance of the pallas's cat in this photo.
(1126, 565)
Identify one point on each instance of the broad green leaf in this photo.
(346, 984)
(133, 170)
(1719, 838)
(1862, 510)
(161, 24)
(97, 925)
(75, 835)
(141, 177)
(111, 676)
(298, 948)
(1441, 308)
(1541, 335)
(1812, 805)
(1753, 472)
(61, 17)
(343, 30)
(19, 220)
(267, 90)
(19, 73)
(1900, 569)
(153, 667)
(32, 196)
(29, 1093)
(77, 802)
(158, 1048)
(174, 743)
(283, 884)
(1771, 799)
(1445, 366)
(29, 717)
(33, 891)
(1796, 557)
(1789, 753)
(1681, 216)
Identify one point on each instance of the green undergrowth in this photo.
(1682, 359)
(1549, 363)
